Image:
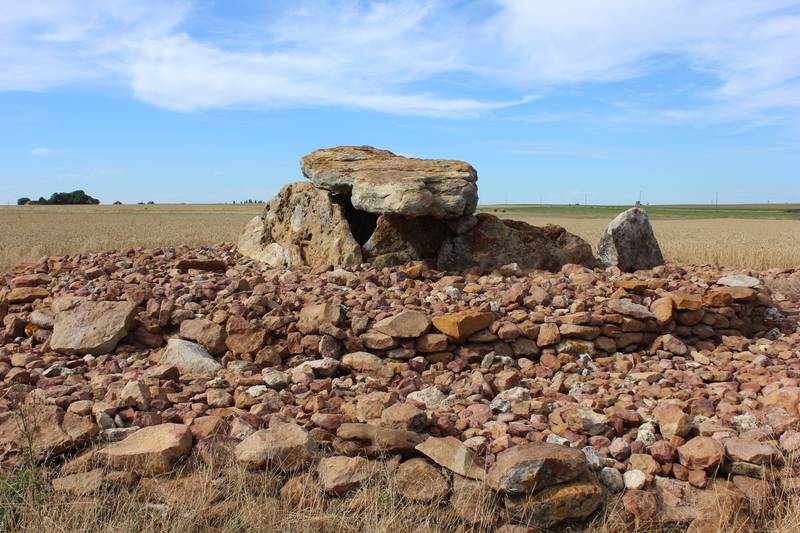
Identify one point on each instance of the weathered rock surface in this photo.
(189, 358)
(629, 243)
(493, 243)
(530, 467)
(301, 226)
(339, 475)
(463, 324)
(150, 451)
(285, 446)
(451, 453)
(553, 505)
(398, 240)
(382, 182)
(89, 327)
(419, 481)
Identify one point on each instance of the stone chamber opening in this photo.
(362, 224)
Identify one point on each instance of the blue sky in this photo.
(204, 101)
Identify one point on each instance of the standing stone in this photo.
(629, 243)
(89, 327)
(382, 182)
(301, 226)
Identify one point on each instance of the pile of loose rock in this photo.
(545, 391)
(368, 205)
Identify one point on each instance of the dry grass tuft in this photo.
(227, 498)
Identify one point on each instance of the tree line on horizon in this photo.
(61, 198)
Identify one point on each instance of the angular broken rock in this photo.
(209, 335)
(672, 420)
(189, 358)
(700, 453)
(451, 453)
(628, 308)
(473, 501)
(464, 323)
(493, 243)
(50, 430)
(313, 316)
(367, 363)
(753, 452)
(301, 226)
(285, 446)
(419, 481)
(339, 475)
(382, 440)
(382, 182)
(80, 483)
(739, 281)
(405, 324)
(24, 295)
(629, 243)
(149, 451)
(566, 502)
(530, 467)
(88, 327)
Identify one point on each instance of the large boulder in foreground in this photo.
(494, 242)
(530, 467)
(382, 182)
(629, 243)
(150, 451)
(88, 327)
(301, 226)
(284, 446)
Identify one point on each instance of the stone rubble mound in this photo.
(365, 205)
(541, 393)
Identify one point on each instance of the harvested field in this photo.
(30, 232)
(740, 243)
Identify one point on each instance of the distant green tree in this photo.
(151, 202)
(66, 198)
(23, 201)
(117, 203)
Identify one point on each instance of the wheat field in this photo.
(31, 232)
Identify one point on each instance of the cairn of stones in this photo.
(370, 314)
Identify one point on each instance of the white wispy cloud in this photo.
(417, 57)
(41, 151)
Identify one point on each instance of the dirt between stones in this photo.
(662, 384)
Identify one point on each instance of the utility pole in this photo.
(716, 201)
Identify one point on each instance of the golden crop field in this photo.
(30, 232)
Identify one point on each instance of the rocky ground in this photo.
(512, 400)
